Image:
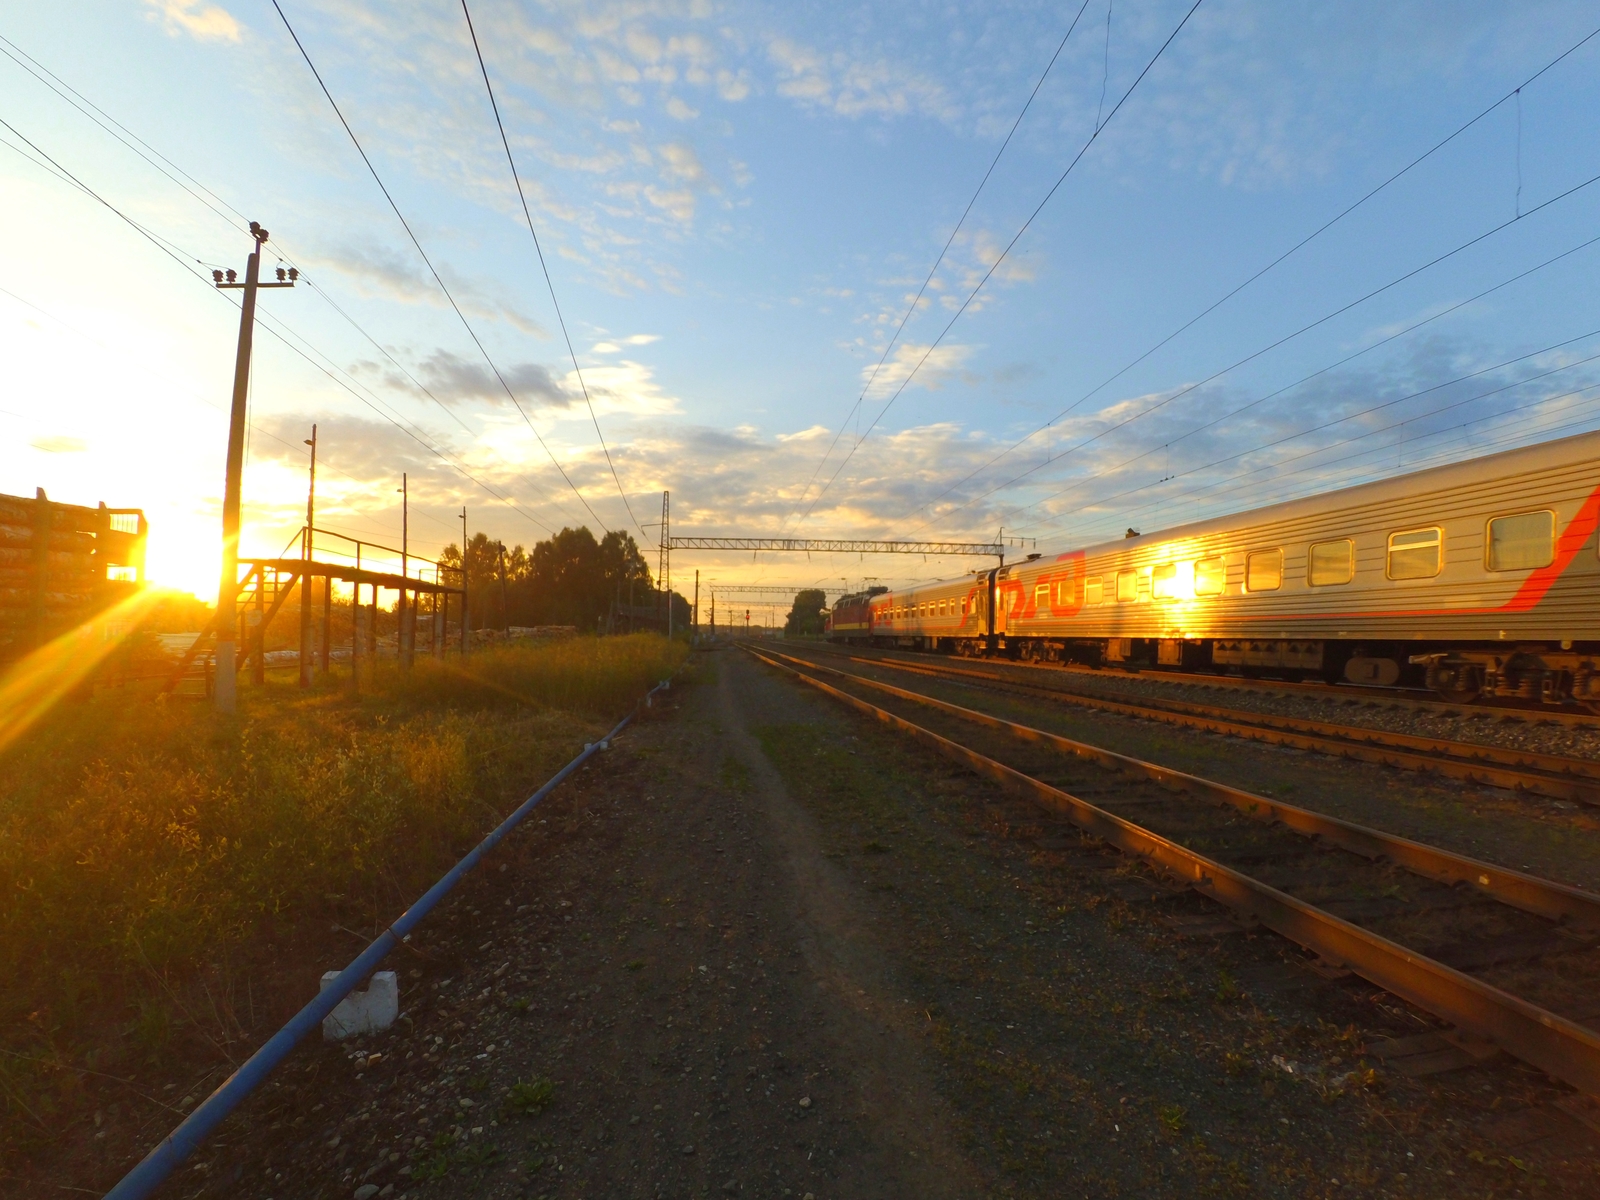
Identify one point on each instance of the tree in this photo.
(570, 579)
(805, 618)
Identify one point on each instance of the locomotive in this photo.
(1476, 579)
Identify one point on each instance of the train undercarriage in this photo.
(1540, 672)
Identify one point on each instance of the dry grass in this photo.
(146, 845)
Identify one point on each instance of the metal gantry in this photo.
(836, 546)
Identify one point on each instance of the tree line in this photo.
(570, 579)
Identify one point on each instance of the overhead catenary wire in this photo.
(1005, 253)
(544, 267)
(267, 322)
(944, 250)
(1179, 393)
(1243, 408)
(1278, 465)
(1290, 252)
(148, 153)
(467, 325)
(1232, 484)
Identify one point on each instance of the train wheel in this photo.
(1457, 685)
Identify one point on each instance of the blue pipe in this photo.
(182, 1141)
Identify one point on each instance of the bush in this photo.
(145, 844)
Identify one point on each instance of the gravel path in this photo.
(767, 949)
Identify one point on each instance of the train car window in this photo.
(1164, 581)
(1093, 591)
(1524, 542)
(1041, 596)
(1127, 586)
(1210, 574)
(1416, 554)
(1328, 563)
(1263, 571)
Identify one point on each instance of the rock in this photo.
(366, 1191)
(464, 1102)
(731, 1186)
(805, 1101)
(688, 1149)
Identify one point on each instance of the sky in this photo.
(738, 205)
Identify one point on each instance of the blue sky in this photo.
(737, 204)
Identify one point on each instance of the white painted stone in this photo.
(371, 1011)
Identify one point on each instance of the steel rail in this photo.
(1361, 693)
(172, 1150)
(1543, 897)
(1526, 770)
(1557, 1046)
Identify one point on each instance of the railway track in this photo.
(1508, 960)
(1556, 776)
(1401, 699)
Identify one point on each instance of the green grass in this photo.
(151, 853)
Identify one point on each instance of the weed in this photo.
(520, 1005)
(529, 1098)
(1227, 990)
(874, 847)
(1235, 1064)
(1173, 1119)
(148, 848)
(634, 964)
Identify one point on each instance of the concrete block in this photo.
(371, 1011)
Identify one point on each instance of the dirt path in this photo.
(766, 949)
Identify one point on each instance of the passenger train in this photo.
(1480, 578)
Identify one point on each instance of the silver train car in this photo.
(1480, 578)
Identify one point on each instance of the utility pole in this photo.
(400, 608)
(664, 559)
(305, 560)
(695, 613)
(505, 608)
(225, 695)
(466, 608)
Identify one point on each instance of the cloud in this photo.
(59, 444)
(454, 379)
(854, 88)
(680, 111)
(207, 22)
(942, 364)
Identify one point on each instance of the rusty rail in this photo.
(1551, 775)
(1560, 1047)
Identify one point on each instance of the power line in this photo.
(1517, 438)
(150, 155)
(429, 263)
(1251, 357)
(66, 176)
(556, 304)
(1301, 244)
(1372, 409)
(1314, 374)
(1004, 253)
(945, 249)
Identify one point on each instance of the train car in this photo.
(850, 618)
(1480, 578)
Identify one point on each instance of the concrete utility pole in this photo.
(305, 557)
(466, 607)
(664, 556)
(505, 607)
(225, 695)
(695, 614)
(401, 645)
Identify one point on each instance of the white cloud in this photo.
(208, 22)
(943, 363)
(679, 111)
(853, 88)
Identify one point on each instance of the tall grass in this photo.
(142, 842)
